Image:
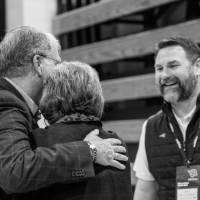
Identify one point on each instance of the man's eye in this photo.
(173, 66)
(158, 69)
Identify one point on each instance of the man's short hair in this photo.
(18, 48)
(191, 48)
(72, 87)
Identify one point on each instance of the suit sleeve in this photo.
(23, 169)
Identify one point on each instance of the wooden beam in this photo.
(131, 46)
(99, 12)
(135, 87)
(128, 130)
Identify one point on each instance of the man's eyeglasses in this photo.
(54, 60)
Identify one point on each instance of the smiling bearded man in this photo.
(174, 74)
(169, 143)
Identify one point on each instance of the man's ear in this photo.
(37, 64)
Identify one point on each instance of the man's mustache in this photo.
(165, 82)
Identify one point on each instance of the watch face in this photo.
(93, 151)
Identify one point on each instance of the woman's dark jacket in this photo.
(108, 184)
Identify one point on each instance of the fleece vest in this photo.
(163, 154)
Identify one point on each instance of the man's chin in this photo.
(171, 98)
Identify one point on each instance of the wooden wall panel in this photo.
(131, 46)
(99, 12)
(135, 87)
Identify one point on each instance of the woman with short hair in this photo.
(73, 104)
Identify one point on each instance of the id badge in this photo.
(188, 182)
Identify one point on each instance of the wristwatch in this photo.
(93, 151)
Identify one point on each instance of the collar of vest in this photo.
(167, 109)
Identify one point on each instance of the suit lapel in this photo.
(5, 85)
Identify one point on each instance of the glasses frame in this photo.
(56, 62)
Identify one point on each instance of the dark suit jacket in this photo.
(24, 169)
(108, 184)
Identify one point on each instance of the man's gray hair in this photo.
(18, 48)
(72, 87)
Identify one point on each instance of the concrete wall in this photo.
(36, 13)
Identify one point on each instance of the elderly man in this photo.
(27, 56)
(169, 146)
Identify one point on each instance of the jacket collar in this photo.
(5, 85)
(29, 101)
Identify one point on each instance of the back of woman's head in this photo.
(72, 87)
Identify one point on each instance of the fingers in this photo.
(119, 149)
(111, 155)
(113, 141)
(116, 153)
(109, 151)
(120, 157)
(117, 164)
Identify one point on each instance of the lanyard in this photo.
(186, 160)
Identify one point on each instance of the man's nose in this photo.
(165, 73)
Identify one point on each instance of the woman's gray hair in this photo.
(72, 87)
(18, 48)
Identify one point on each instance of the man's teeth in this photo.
(169, 84)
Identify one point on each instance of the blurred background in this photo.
(116, 37)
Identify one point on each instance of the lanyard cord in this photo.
(187, 161)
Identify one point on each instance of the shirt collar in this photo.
(187, 118)
(31, 104)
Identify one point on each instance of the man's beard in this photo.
(184, 89)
